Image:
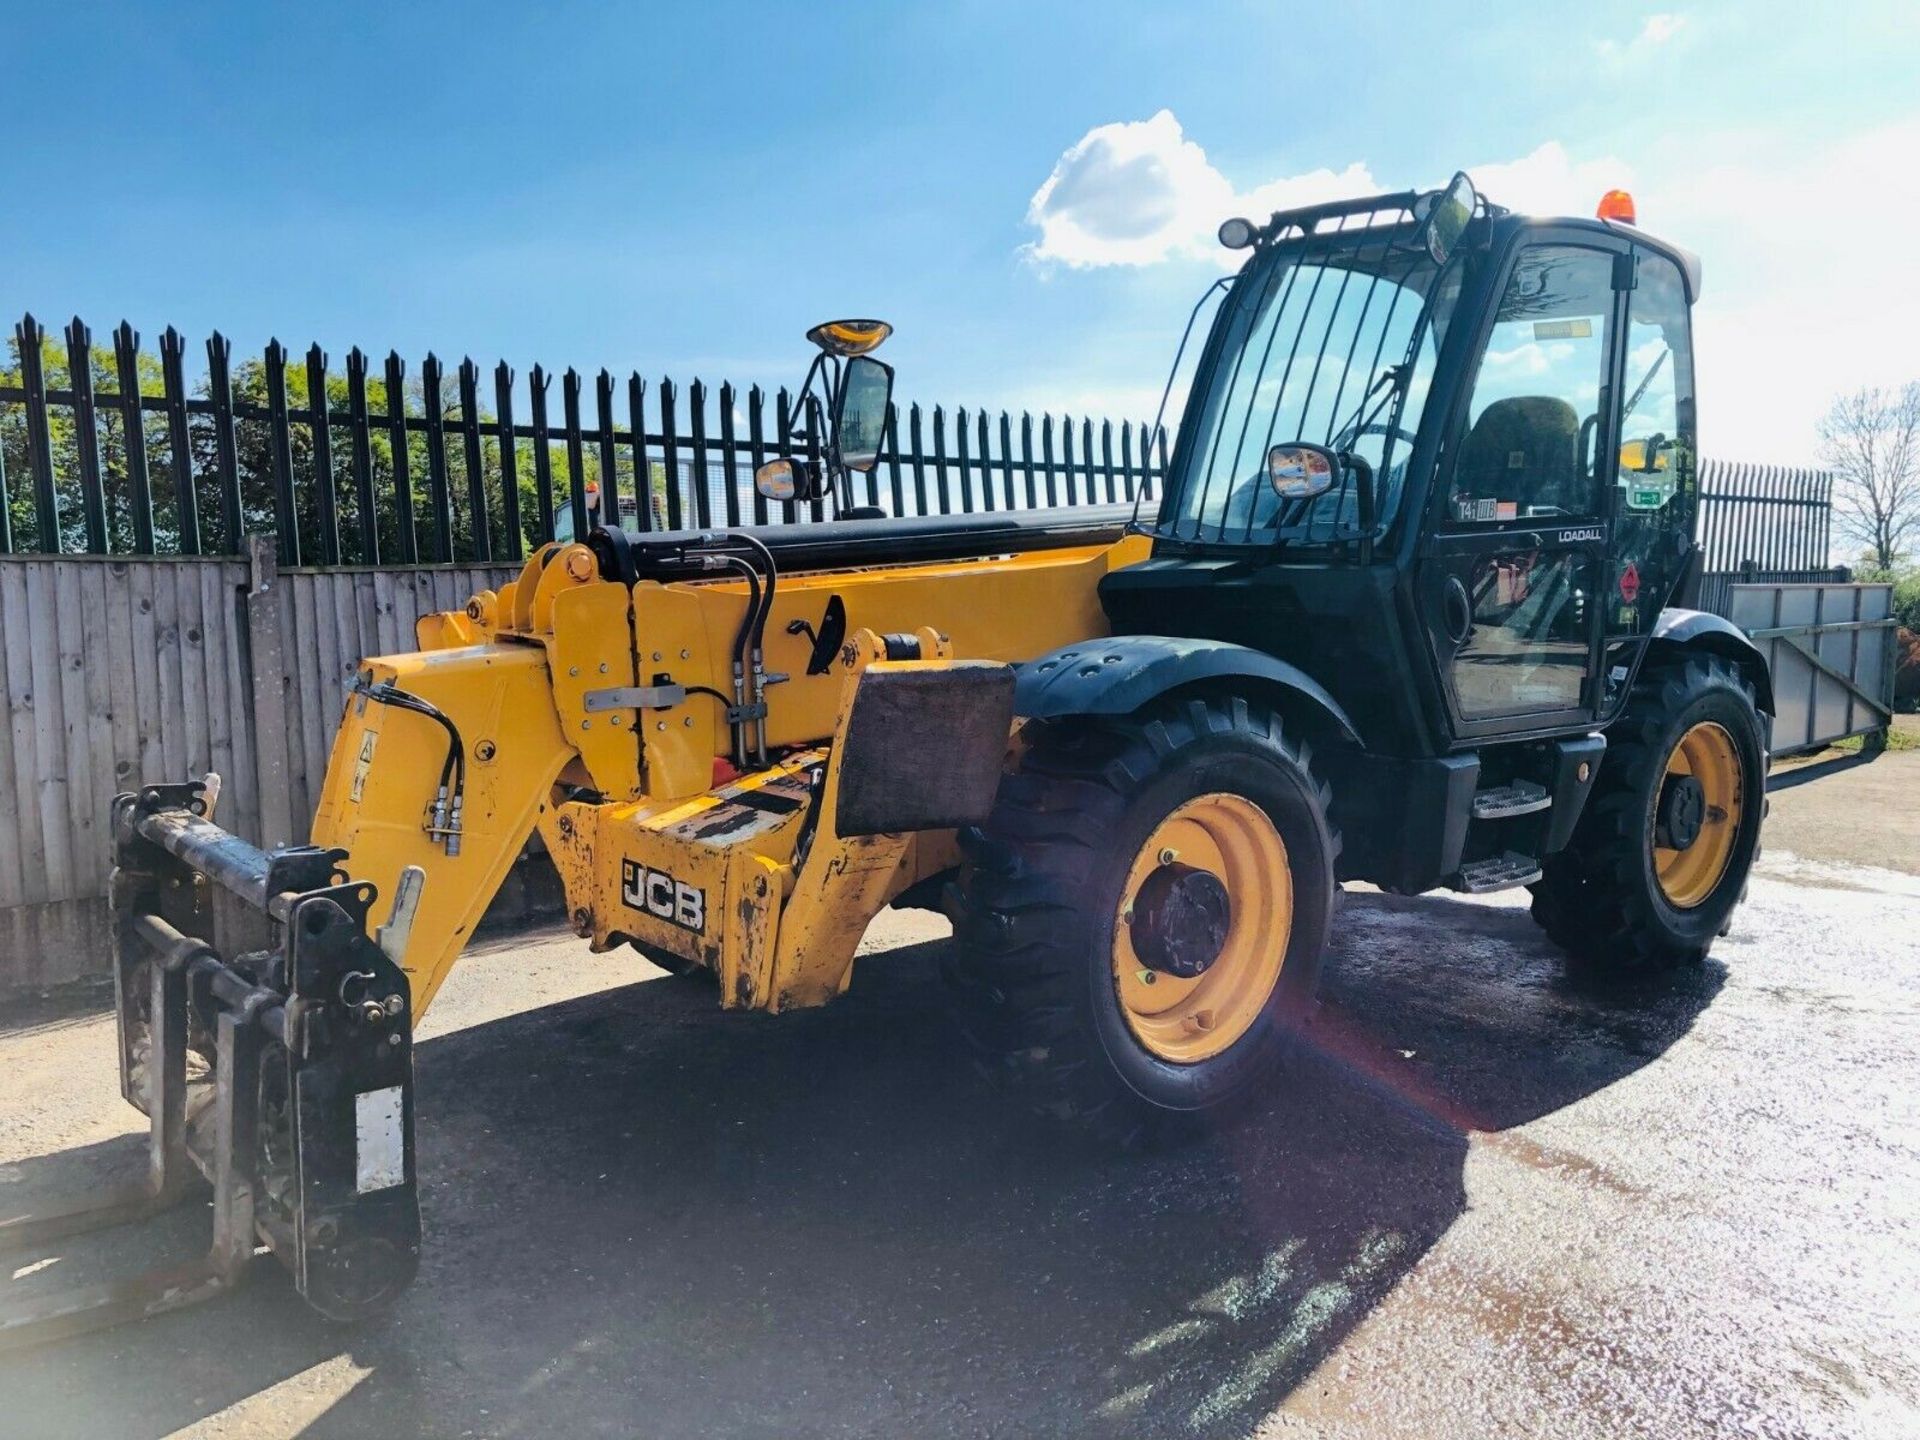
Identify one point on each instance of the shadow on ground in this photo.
(648, 1217)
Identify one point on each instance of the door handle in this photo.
(1456, 612)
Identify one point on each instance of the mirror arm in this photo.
(1363, 500)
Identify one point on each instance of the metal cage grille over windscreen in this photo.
(1328, 339)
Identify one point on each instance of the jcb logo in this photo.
(658, 894)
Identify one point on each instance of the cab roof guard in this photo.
(1379, 211)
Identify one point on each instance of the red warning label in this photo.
(1630, 583)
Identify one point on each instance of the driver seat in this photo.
(1524, 449)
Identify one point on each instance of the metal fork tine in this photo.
(122, 1205)
(84, 1308)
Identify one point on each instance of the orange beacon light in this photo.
(1616, 205)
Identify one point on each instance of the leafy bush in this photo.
(1906, 674)
(1906, 600)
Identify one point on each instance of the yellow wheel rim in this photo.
(1188, 1020)
(1689, 873)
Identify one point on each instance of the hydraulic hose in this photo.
(759, 641)
(450, 798)
(741, 640)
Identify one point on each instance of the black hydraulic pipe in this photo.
(834, 544)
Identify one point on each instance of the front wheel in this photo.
(1661, 855)
(1141, 919)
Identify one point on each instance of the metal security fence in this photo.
(113, 449)
(110, 450)
(1767, 519)
(1764, 524)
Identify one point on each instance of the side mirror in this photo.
(1448, 213)
(860, 411)
(1300, 472)
(789, 478)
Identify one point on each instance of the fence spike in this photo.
(576, 453)
(509, 461)
(757, 446)
(126, 357)
(642, 468)
(439, 486)
(173, 386)
(360, 452)
(280, 447)
(319, 421)
(730, 453)
(478, 519)
(537, 382)
(86, 430)
(609, 460)
(664, 394)
(403, 524)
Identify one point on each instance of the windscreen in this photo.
(1329, 342)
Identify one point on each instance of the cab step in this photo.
(1498, 872)
(1516, 797)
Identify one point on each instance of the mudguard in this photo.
(1118, 675)
(1678, 629)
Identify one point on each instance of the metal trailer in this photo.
(1831, 651)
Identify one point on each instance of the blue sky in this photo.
(684, 190)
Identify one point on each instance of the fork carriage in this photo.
(267, 1038)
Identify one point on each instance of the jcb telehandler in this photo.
(1410, 612)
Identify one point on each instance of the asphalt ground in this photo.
(1491, 1201)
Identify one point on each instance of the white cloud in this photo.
(1137, 192)
(1657, 30)
(1550, 182)
(1529, 359)
(1803, 297)
(1661, 28)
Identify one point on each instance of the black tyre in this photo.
(1141, 920)
(1661, 855)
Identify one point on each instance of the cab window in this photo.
(1533, 421)
(1654, 476)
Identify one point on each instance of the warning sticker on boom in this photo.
(364, 764)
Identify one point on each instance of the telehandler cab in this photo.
(1411, 611)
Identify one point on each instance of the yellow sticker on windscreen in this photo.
(1581, 329)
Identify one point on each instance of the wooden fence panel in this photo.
(115, 671)
(121, 670)
(327, 622)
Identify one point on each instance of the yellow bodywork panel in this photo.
(385, 769)
(657, 838)
(1010, 609)
(751, 879)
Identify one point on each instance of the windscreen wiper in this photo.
(1641, 388)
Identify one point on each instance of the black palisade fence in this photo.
(110, 450)
(1766, 518)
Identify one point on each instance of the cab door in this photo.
(1517, 548)
(1656, 479)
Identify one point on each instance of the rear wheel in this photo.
(1141, 919)
(1661, 855)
